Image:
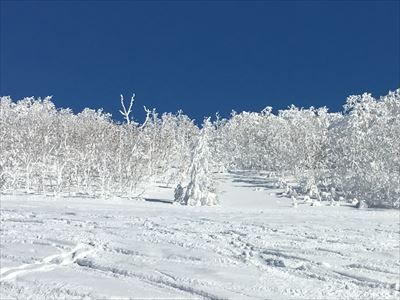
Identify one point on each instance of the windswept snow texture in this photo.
(255, 245)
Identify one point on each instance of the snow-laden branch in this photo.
(125, 112)
(148, 112)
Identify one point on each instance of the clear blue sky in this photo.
(201, 56)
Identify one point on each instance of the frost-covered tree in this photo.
(364, 161)
(201, 187)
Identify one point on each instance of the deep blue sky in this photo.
(202, 57)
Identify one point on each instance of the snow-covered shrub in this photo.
(179, 193)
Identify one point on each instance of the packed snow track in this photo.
(253, 246)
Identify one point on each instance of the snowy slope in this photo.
(253, 246)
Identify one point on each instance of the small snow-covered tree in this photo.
(201, 188)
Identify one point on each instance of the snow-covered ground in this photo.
(253, 246)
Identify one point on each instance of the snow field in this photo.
(255, 245)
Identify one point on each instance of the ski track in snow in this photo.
(48, 263)
(253, 246)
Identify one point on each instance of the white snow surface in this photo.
(254, 245)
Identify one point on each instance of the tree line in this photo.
(55, 151)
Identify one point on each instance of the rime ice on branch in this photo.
(126, 112)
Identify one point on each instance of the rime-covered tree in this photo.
(201, 187)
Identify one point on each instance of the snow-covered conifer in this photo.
(201, 188)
